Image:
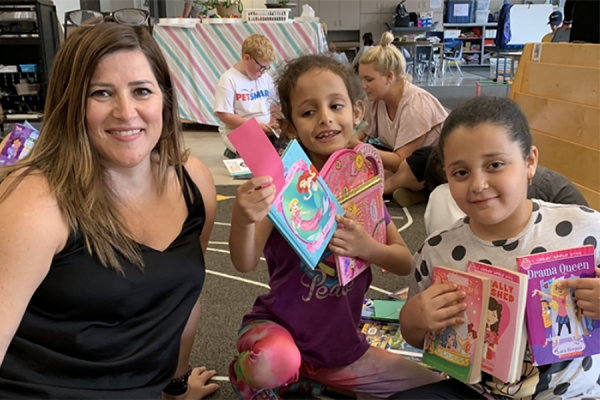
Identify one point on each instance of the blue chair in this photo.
(454, 55)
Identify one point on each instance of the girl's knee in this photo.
(271, 359)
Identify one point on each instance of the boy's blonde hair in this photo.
(386, 58)
(259, 47)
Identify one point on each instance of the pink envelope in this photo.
(253, 145)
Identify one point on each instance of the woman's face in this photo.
(124, 109)
(375, 85)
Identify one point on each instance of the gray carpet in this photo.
(225, 300)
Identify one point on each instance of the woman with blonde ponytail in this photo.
(406, 119)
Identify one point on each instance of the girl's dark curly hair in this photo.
(291, 73)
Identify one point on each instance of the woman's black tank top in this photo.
(90, 332)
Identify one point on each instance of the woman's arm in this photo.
(33, 230)
(205, 183)
(392, 160)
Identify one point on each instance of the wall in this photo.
(565, 115)
(62, 6)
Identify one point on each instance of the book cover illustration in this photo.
(380, 334)
(368, 309)
(19, 143)
(304, 208)
(505, 338)
(399, 346)
(355, 176)
(237, 169)
(456, 349)
(557, 329)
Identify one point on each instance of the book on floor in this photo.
(457, 350)
(304, 208)
(505, 337)
(379, 334)
(387, 310)
(355, 176)
(557, 329)
(237, 168)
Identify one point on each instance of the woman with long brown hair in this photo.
(103, 234)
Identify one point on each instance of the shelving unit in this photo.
(28, 41)
(478, 40)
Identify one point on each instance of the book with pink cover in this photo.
(505, 336)
(557, 329)
(355, 176)
(457, 349)
(304, 208)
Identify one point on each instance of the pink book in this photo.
(505, 336)
(557, 329)
(356, 179)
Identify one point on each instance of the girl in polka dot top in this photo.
(487, 152)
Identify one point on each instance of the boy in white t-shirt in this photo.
(246, 91)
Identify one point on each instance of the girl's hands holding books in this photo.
(587, 294)
(253, 200)
(437, 307)
(350, 238)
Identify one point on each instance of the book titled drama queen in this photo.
(557, 328)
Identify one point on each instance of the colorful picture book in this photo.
(18, 144)
(355, 176)
(380, 334)
(505, 337)
(237, 169)
(457, 349)
(557, 329)
(386, 334)
(304, 208)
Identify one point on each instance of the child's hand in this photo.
(350, 238)
(587, 294)
(253, 200)
(437, 307)
(267, 128)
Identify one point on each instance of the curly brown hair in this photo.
(291, 73)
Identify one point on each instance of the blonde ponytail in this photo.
(386, 58)
(386, 39)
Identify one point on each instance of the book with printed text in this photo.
(355, 176)
(237, 169)
(457, 349)
(505, 337)
(18, 144)
(557, 329)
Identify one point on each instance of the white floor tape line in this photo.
(409, 220)
(226, 252)
(237, 278)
